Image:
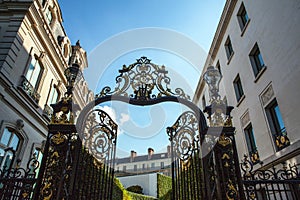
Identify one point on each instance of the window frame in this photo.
(238, 88)
(21, 143)
(229, 49)
(218, 66)
(250, 138)
(203, 101)
(278, 133)
(39, 76)
(162, 165)
(53, 89)
(243, 17)
(256, 60)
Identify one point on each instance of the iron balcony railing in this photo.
(30, 90)
(254, 156)
(281, 139)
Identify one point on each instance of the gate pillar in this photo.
(222, 163)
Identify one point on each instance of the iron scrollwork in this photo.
(18, 182)
(184, 135)
(141, 80)
(282, 182)
(99, 134)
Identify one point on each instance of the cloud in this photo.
(124, 118)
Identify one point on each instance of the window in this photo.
(34, 71)
(152, 165)
(32, 78)
(242, 17)
(203, 102)
(49, 16)
(144, 166)
(238, 88)
(256, 60)
(135, 167)
(162, 165)
(8, 139)
(251, 144)
(53, 95)
(228, 48)
(277, 125)
(124, 168)
(218, 66)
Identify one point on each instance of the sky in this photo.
(176, 33)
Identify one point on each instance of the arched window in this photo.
(10, 143)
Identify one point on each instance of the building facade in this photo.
(144, 164)
(34, 53)
(256, 48)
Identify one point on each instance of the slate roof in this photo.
(142, 158)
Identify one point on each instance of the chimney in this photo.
(132, 155)
(169, 150)
(150, 153)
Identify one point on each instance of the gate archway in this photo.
(79, 159)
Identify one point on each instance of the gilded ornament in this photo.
(252, 195)
(231, 193)
(224, 141)
(58, 138)
(24, 195)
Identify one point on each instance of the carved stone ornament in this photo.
(267, 95)
(245, 119)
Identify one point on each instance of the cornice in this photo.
(7, 6)
(218, 37)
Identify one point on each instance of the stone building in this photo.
(256, 48)
(144, 164)
(34, 53)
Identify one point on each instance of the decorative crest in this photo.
(144, 81)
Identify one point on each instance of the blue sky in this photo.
(175, 33)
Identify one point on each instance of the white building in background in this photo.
(34, 52)
(144, 164)
(256, 48)
(147, 181)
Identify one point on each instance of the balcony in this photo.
(30, 90)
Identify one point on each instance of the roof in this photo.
(142, 158)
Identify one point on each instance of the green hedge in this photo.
(135, 196)
(120, 193)
(164, 187)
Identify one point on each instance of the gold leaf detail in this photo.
(58, 138)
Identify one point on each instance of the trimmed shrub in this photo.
(135, 196)
(119, 192)
(164, 187)
(136, 189)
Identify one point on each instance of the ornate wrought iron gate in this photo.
(79, 164)
(273, 183)
(18, 183)
(187, 169)
(78, 161)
